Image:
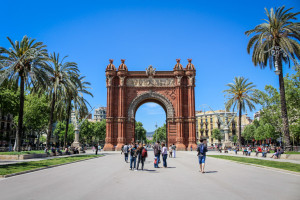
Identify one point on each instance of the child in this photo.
(155, 162)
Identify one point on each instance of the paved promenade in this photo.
(109, 177)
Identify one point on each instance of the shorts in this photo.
(201, 159)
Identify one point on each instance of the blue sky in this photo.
(147, 32)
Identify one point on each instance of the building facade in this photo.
(99, 114)
(207, 121)
(6, 130)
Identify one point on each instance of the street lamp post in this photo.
(156, 131)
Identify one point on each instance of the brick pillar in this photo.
(191, 113)
(110, 74)
(109, 116)
(179, 113)
(121, 114)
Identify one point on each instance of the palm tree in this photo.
(61, 82)
(276, 41)
(24, 62)
(241, 96)
(79, 102)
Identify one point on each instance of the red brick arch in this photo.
(128, 90)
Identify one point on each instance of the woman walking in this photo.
(164, 154)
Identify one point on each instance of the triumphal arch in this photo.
(128, 90)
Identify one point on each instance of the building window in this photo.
(211, 120)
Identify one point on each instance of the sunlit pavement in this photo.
(109, 177)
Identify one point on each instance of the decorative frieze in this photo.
(150, 82)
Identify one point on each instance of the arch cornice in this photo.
(150, 95)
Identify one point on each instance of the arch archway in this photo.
(173, 90)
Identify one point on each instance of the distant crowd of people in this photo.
(263, 150)
(138, 154)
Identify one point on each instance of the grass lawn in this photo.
(292, 152)
(280, 165)
(24, 166)
(22, 152)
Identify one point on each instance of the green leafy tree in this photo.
(160, 134)
(9, 99)
(25, 63)
(100, 131)
(281, 34)
(240, 95)
(234, 139)
(59, 132)
(248, 133)
(86, 133)
(270, 101)
(140, 132)
(216, 134)
(36, 112)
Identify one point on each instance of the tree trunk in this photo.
(284, 116)
(240, 125)
(21, 112)
(67, 124)
(50, 121)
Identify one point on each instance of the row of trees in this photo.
(270, 124)
(274, 42)
(90, 132)
(160, 134)
(27, 67)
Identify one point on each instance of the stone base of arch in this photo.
(108, 147)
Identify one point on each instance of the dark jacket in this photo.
(156, 149)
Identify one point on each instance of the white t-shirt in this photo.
(164, 150)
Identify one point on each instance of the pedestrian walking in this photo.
(142, 154)
(174, 150)
(133, 155)
(156, 149)
(170, 151)
(96, 149)
(125, 150)
(164, 153)
(202, 149)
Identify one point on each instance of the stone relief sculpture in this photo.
(150, 82)
(122, 79)
(150, 71)
(178, 80)
(109, 80)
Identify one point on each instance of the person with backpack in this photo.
(133, 155)
(174, 150)
(202, 149)
(142, 154)
(125, 150)
(164, 154)
(156, 149)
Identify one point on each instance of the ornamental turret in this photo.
(122, 66)
(111, 66)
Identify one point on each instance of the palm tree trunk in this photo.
(240, 124)
(21, 112)
(67, 124)
(284, 116)
(50, 121)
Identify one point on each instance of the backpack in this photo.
(201, 149)
(144, 153)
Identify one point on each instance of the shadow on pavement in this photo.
(209, 172)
